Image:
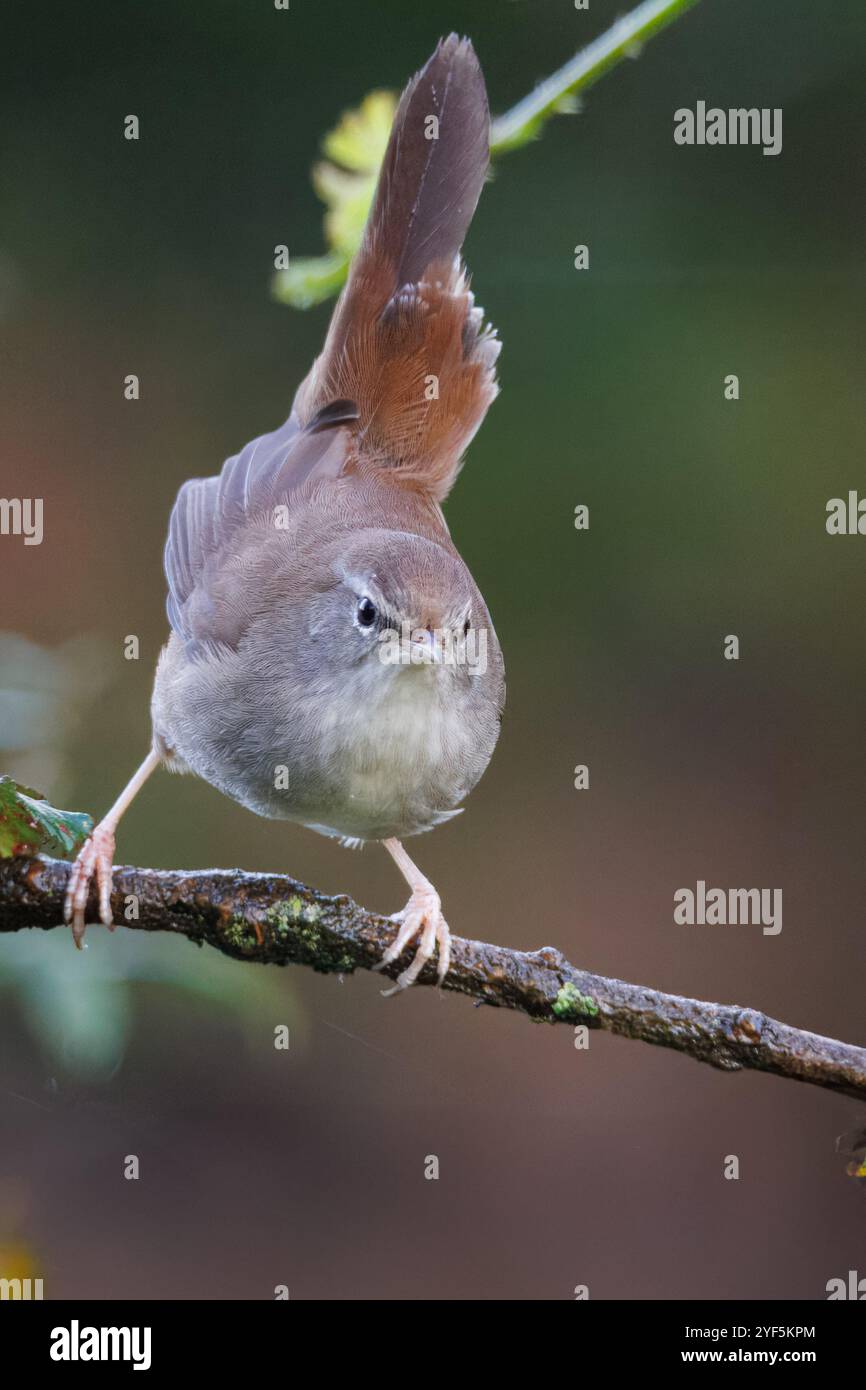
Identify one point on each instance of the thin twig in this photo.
(624, 39)
(274, 920)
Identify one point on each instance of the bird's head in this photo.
(405, 606)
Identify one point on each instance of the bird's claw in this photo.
(421, 917)
(96, 856)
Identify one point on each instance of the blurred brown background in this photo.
(558, 1167)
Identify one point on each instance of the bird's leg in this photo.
(97, 856)
(421, 917)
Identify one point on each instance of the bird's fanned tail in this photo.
(406, 342)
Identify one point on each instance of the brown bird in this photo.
(331, 660)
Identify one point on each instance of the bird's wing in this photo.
(209, 512)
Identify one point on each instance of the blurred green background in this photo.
(558, 1167)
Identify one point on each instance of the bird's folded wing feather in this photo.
(210, 513)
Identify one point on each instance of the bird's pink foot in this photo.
(422, 918)
(96, 856)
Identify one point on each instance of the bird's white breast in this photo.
(394, 740)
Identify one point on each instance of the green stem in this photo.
(623, 40)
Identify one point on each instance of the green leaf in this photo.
(348, 198)
(359, 141)
(346, 187)
(310, 281)
(29, 826)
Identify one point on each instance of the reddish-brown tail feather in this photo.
(406, 343)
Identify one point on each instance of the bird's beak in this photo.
(424, 648)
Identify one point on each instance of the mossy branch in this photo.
(274, 920)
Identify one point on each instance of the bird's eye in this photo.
(366, 612)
